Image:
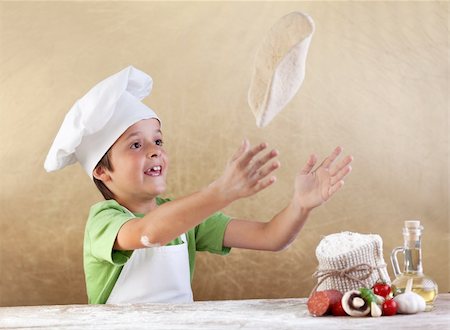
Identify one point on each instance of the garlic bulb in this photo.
(409, 302)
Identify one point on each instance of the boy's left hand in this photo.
(314, 187)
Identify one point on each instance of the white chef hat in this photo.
(99, 118)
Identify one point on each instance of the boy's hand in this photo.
(314, 187)
(247, 173)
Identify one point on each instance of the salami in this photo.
(321, 301)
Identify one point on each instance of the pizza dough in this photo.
(279, 68)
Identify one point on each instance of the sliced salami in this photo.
(321, 301)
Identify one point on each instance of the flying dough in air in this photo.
(279, 68)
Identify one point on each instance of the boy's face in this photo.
(139, 163)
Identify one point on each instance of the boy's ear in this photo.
(101, 174)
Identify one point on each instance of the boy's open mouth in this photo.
(154, 171)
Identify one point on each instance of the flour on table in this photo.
(279, 68)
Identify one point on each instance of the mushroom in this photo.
(354, 304)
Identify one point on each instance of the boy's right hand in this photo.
(247, 172)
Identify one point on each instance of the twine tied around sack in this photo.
(323, 274)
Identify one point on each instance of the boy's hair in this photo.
(107, 194)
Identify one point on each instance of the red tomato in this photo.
(389, 307)
(337, 310)
(381, 289)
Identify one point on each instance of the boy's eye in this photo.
(135, 145)
(159, 142)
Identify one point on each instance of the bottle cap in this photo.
(412, 224)
(412, 229)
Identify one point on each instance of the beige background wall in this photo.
(377, 83)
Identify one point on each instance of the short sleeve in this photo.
(105, 220)
(209, 234)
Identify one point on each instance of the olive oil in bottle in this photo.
(423, 285)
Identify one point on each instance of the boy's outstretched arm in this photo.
(248, 172)
(312, 188)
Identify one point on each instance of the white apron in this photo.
(157, 274)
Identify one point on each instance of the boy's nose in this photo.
(155, 152)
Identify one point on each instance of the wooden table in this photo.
(228, 314)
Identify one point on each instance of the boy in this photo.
(141, 248)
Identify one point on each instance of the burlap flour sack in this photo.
(279, 68)
(349, 261)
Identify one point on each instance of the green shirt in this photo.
(103, 264)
